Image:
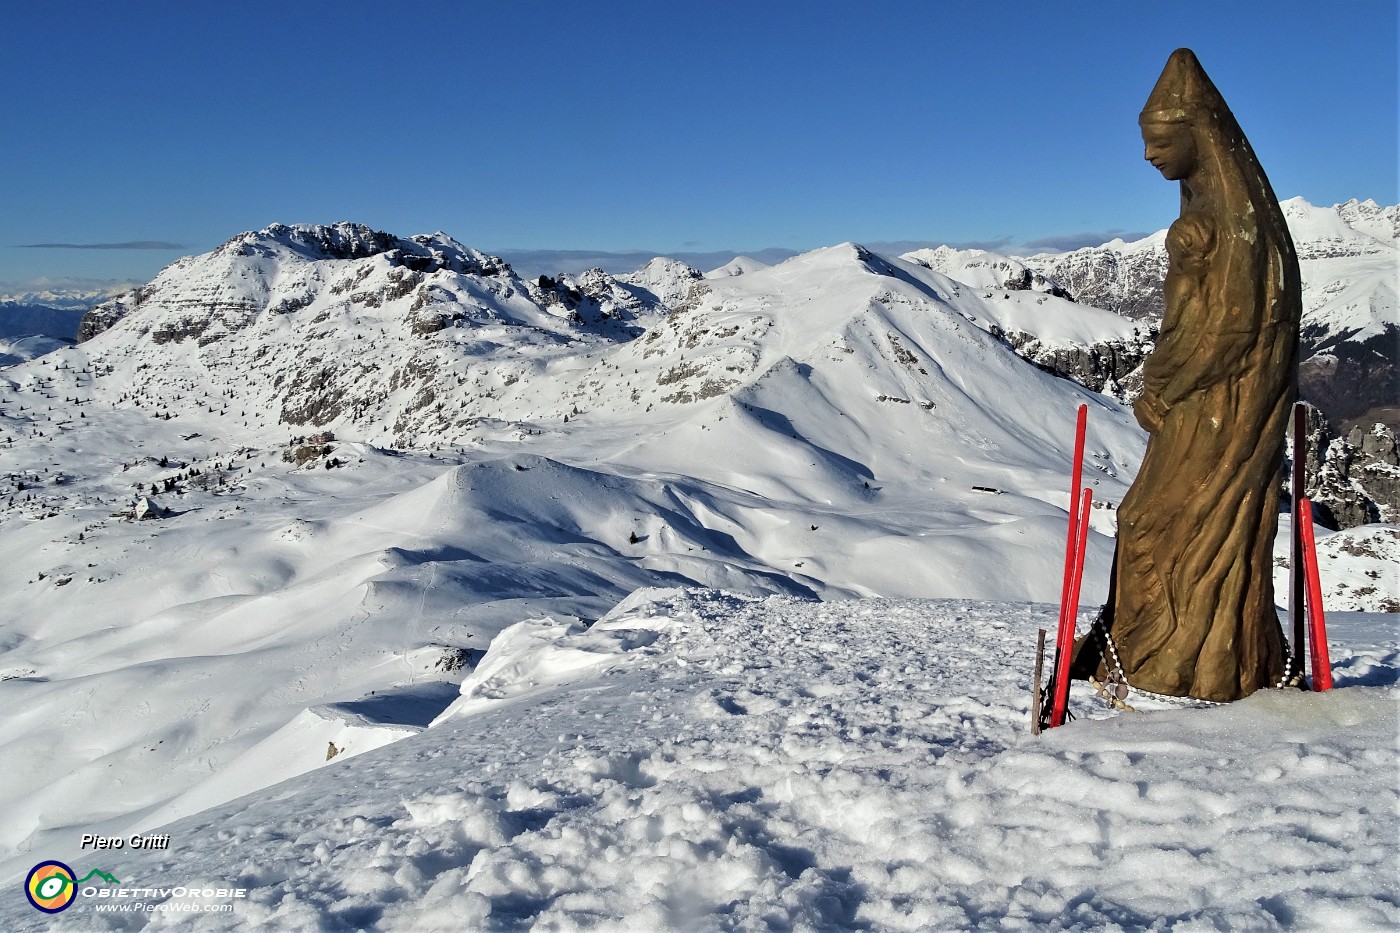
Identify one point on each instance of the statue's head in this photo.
(1171, 148)
(1177, 111)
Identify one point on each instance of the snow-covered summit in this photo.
(739, 265)
(270, 269)
(1354, 228)
(345, 240)
(985, 269)
(669, 281)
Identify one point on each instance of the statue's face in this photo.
(1171, 148)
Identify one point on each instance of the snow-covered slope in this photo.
(1363, 567)
(986, 270)
(1096, 348)
(376, 455)
(705, 760)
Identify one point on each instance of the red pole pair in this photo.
(1317, 623)
(1079, 506)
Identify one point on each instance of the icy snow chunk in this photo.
(537, 653)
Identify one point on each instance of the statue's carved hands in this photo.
(1150, 410)
(1190, 242)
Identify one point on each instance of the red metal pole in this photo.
(1321, 660)
(1296, 583)
(1064, 634)
(1061, 702)
(1084, 507)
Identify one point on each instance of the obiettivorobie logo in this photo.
(51, 886)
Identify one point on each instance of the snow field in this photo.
(738, 763)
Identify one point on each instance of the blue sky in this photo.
(658, 126)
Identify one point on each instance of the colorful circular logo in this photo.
(50, 887)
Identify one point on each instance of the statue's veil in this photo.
(1238, 190)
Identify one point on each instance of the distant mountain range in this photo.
(456, 338)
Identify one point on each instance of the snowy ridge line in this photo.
(856, 765)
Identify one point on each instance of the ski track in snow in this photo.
(700, 760)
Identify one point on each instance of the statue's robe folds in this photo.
(1191, 603)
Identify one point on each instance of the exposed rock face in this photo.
(1353, 480)
(98, 319)
(1123, 278)
(1113, 367)
(594, 297)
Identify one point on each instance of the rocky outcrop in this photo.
(1127, 282)
(1352, 480)
(103, 316)
(593, 298)
(1113, 367)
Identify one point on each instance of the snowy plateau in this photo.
(404, 593)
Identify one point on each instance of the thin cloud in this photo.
(132, 244)
(1065, 242)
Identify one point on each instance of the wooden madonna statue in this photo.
(1190, 609)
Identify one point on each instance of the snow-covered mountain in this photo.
(1350, 265)
(987, 270)
(736, 266)
(1125, 277)
(411, 343)
(377, 460)
(1074, 340)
